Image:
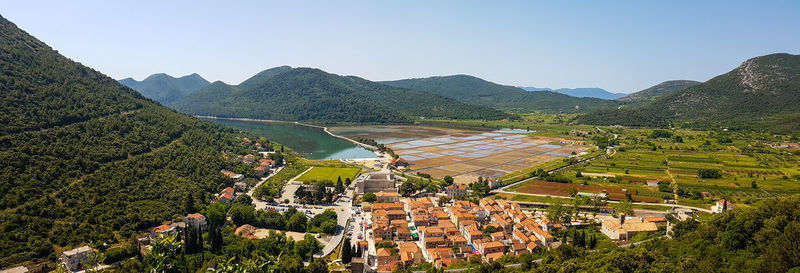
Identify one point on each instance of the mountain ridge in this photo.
(310, 94)
(660, 89)
(471, 89)
(580, 92)
(165, 88)
(762, 93)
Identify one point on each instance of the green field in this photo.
(329, 173)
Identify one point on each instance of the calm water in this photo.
(310, 142)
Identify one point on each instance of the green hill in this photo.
(762, 93)
(307, 94)
(761, 238)
(658, 90)
(87, 160)
(165, 88)
(474, 90)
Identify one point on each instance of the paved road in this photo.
(610, 201)
(259, 204)
(343, 212)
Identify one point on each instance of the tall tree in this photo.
(346, 250)
(188, 203)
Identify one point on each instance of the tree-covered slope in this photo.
(165, 88)
(86, 160)
(658, 90)
(307, 94)
(762, 238)
(474, 90)
(762, 93)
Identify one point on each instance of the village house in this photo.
(240, 186)
(399, 163)
(652, 182)
(387, 261)
(196, 221)
(387, 196)
(260, 170)
(410, 253)
(719, 206)
(625, 229)
(495, 183)
(226, 196)
(74, 259)
(235, 176)
(456, 190)
(249, 159)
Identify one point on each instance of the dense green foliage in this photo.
(473, 90)
(274, 253)
(658, 90)
(307, 94)
(763, 238)
(763, 94)
(165, 88)
(87, 160)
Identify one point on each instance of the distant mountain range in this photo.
(658, 90)
(307, 94)
(474, 90)
(763, 93)
(165, 88)
(592, 92)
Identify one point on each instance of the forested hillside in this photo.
(658, 90)
(165, 88)
(762, 93)
(474, 90)
(764, 238)
(86, 160)
(308, 94)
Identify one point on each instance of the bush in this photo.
(709, 173)
(369, 197)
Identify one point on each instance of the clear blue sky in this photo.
(622, 46)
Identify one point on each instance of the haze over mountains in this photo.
(589, 92)
(165, 88)
(474, 90)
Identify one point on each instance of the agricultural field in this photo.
(329, 174)
(749, 169)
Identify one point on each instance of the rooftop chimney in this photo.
(621, 219)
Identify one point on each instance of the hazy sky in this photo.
(622, 46)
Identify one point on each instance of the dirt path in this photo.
(674, 184)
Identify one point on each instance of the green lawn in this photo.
(329, 173)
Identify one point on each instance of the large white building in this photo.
(74, 258)
(376, 182)
(625, 229)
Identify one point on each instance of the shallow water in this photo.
(310, 142)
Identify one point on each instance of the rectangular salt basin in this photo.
(551, 146)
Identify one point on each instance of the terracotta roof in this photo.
(384, 252)
(493, 244)
(195, 216)
(161, 228)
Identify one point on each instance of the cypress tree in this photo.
(346, 248)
